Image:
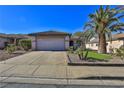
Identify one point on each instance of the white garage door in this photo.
(50, 44)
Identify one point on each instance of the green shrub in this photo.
(79, 51)
(25, 44)
(122, 47)
(10, 48)
(120, 52)
(71, 49)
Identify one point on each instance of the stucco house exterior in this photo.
(42, 41)
(117, 42)
(50, 41)
(11, 39)
(58, 41)
(73, 41)
(3, 42)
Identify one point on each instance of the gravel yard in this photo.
(4, 55)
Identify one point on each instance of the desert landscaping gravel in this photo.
(4, 55)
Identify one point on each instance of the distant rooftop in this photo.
(14, 35)
(75, 37)
(121, 35)
(114, 37)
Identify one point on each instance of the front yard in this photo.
(4, 55)
(95, 56)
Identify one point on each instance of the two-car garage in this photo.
(51, 44)
(50, 41)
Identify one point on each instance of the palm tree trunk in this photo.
(102, 43)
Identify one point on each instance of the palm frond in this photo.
(121, 16)
(106, 20)
(107, 8)
(89, 25)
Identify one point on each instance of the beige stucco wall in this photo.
(92, 46)
(115, 44)
(33, 45)
(33, 39)
(67, 42)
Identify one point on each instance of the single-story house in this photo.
(50, 41)
(117, 42)
(6, 39)
(74, 41)
(3, 41)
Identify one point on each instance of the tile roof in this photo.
(50, 33)
(121, 35)
(14, 35)
(74, 37)
(114, 37)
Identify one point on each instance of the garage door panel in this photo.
(50, 44)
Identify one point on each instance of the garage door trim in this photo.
(47, 47)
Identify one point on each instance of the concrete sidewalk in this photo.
(62, 75)
(57, 71)
(16, 82)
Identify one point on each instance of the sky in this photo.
(32, 18)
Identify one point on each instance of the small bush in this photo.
(10, 48)
(120, 52)
(79, 51)
(25, 44)
(71, 49)
(122, 47)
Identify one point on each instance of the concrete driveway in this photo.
(39, 58)
(50, 67)
(46, 64)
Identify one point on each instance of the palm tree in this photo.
(85, 37)
(103, 22)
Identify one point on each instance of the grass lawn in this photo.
(95, 55)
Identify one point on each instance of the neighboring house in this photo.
(3, 41)
(50, 40)
(6, 39)
(117, 42)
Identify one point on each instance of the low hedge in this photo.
(25, 44)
